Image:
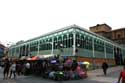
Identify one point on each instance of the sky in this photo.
(26, 19)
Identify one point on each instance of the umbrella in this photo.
(34, 58)
(85, 62)
(28, 58)
(23, 58)
(40, 57)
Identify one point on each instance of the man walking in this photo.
(6, 68)
(104, 67)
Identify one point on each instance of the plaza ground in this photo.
(94, 76)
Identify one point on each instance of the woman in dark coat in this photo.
(104, 67)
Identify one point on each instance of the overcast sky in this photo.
(26, 19)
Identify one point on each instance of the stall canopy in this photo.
(45, 56)
(34, 58)
(23, 58)
(28, 58)
(39, 57)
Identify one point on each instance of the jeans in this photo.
(14, 74)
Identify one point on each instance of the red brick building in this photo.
(117, 35)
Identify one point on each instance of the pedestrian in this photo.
(6, 68)
(104, 67)
(13, 70)
(27, 66)
(18, 68)
(122, 75)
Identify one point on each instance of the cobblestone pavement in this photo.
(112, 75)
(35, 79)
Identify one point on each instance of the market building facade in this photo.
(72, 41)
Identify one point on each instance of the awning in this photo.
(45, 56)
(28, 58)
(34, 58)
(23, 58)
(85, 62)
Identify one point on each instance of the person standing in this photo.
(13, 70)
(104, 67)
(27, 66)
(122, 75)
(6, 68)
(18, 68)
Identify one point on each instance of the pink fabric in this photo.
(82, 74)
(69, 61)
(78, 69)
(34, 58)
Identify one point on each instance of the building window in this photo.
(65, 41)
